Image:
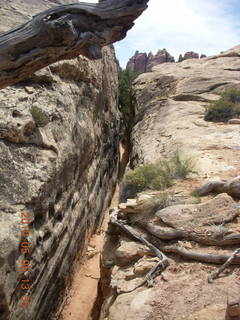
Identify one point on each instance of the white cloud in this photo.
(182, 25)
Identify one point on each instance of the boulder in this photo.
(234, 121)
(132, 306)
(130, 251)
(193, 216)
(170, 106)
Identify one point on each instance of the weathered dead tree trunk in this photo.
(64, 32)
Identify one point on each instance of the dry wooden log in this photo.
(64, 32)
(204, 238)
(217, 272)
(163, 260)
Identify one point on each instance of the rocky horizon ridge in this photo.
(142, 62)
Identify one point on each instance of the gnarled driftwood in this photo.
(64, 32)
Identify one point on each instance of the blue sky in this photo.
(203, 26)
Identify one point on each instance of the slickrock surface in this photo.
(58, 165)
(169, 105)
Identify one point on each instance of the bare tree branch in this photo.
(64, 32)
(217, 272)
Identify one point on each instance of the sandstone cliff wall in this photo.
(170, 105)
(58, 164)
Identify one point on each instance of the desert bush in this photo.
(183, 165)
(196, 196)
(159, 176)
(164, 177)
(151, 176)
(232, 95)
(39, 116)
(227, 107)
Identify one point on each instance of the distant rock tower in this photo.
(190, 55)
(143, 62)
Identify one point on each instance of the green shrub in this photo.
(125, 80)
(39, 116)
(149, 176)
(165, 174)
(159, 176)
(232, 95)
(196, 196)
(184, 165)
(227, 107)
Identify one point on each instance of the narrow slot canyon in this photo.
(82, 298)
(119, 188)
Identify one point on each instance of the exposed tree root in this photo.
(163, 260)
(157, 234)
(204, 238)
(231, 187)
(198, 256)
(217, 272)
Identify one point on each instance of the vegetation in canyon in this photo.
(125, 80)
(161, 175)
(225, 108)
(40, 118)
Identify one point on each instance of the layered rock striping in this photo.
(59, 161)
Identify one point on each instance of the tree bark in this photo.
(64, 32)
(177, 234)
